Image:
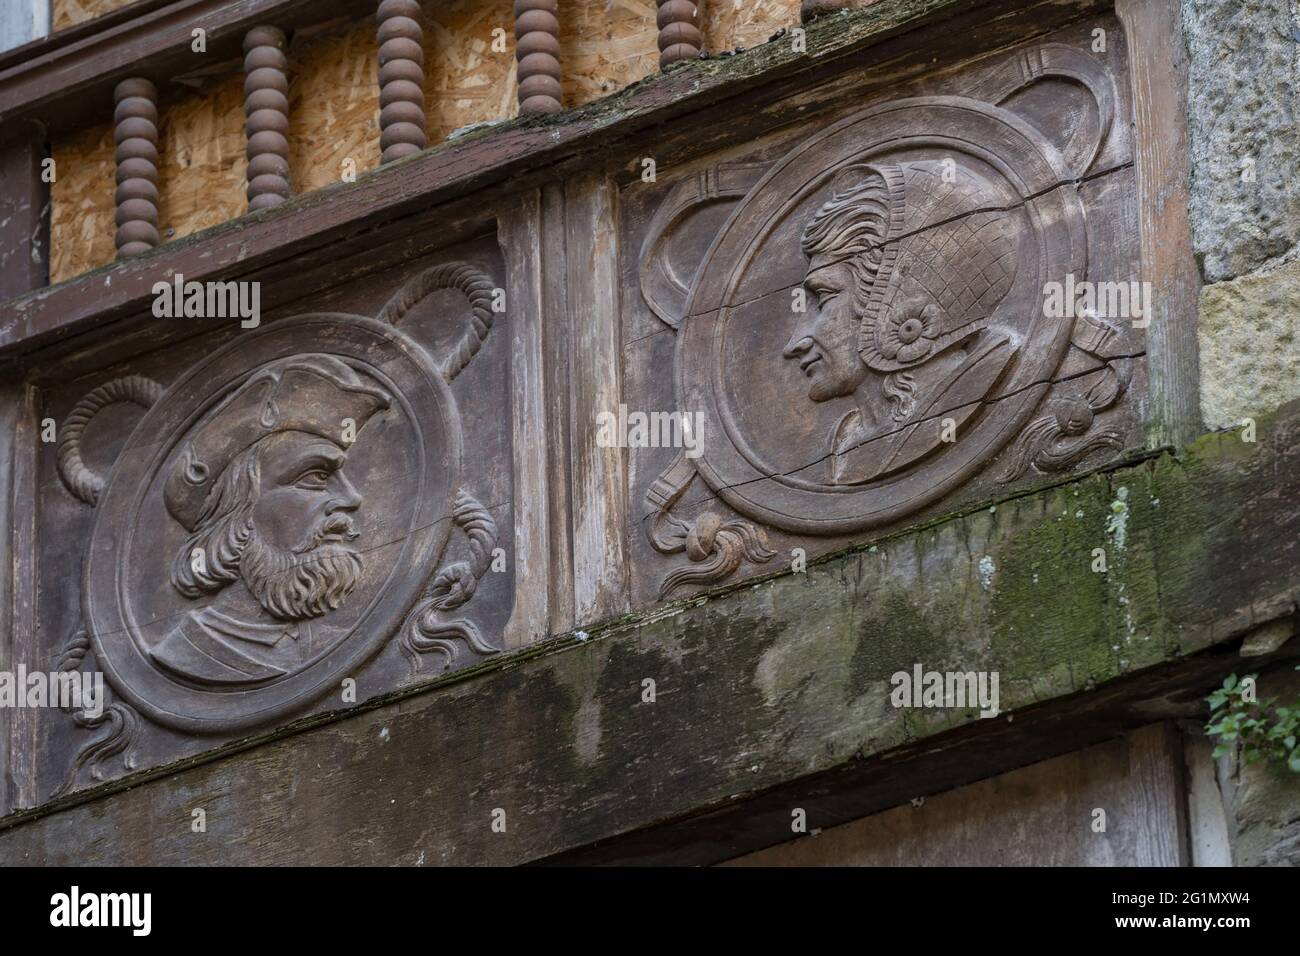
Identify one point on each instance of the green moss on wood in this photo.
(790, 674)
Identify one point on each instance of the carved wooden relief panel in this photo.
(278, 521)
(896, 305)
(882, 315)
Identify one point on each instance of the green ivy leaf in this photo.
(1260, 729)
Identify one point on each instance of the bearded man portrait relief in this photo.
(908, 263)
(262, 490)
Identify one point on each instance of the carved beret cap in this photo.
(953, 263)
(310, 393)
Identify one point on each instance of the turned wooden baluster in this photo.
(266, 111)
(537, 50)
(401, 80)
(679, 31)
(136, 134)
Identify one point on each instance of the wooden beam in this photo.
(598, 475)
(768, 695)
(13, 406)
(24, 266)
(555, 307)
(24, 210)
(1158, 66)
(534, 484)
(1038, 815)
(22, 448)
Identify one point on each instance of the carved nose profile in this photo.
(798, 345)
(346, 497)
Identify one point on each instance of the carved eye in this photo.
(316, 478)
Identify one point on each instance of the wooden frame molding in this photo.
(24, 210)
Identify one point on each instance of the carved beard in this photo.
(306, 583)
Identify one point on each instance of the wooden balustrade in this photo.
(679, 31)
(266, 111)
(402, 119)
(135, 133)
(537, 51)
(401, 80)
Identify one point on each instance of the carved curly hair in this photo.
(224, 530)
(851, 226)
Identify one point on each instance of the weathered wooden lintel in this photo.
(768, 695)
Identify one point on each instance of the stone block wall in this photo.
(1244, 70)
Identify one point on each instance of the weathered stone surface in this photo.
(1244, 132)
(1250, 347)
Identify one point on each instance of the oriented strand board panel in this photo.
(1040, 815)
(606, 45)
(81, 203)
(333, 104)
(469, 64)
(733, 24)
(333, 127)
(200, 178)
(202, 162)
(334, 86)
(68, 13)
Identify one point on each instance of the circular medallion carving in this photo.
(919, 237)
(271, 521)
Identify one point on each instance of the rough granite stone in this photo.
(1250, 346)
(1244, 70)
